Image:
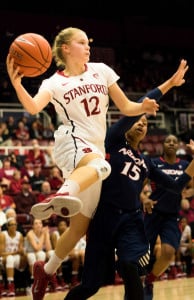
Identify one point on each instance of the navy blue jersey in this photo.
(126, 163)
(168, 202)
(121, 192)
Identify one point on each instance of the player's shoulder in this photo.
(97, 66)
(18, 233)
(183, 162)
(57, 74)
(52, 78)
(158, 159)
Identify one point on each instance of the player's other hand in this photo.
(150, 106)
(14, 73)
(148, 205)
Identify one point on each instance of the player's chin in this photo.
(87, 58)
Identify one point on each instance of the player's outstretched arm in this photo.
(177, 79)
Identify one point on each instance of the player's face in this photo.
(37, 224)
(138, 131)
(12, 225)
(79, 48)
(171, 144)
(62, 226)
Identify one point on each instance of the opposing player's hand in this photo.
(148, 205)
(150, 106)
(13, 73)
(177, 78)
(191, 145)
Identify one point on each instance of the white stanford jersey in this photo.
(82, 101)
(11, 243)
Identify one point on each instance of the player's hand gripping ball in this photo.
(32, 53)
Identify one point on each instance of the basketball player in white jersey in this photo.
(12, 252)
(80, 92)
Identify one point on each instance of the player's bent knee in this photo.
(102, 167)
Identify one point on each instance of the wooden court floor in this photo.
(178, 289)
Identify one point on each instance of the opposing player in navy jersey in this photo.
(118, 221)
(164, 219)
(80, 92)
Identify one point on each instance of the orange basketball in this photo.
(32, 53)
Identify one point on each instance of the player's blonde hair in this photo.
(63, 37)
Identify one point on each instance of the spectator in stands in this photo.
(28, 169)
(36, 155)
(37, 178)
(38, 246)
(25, 199)
(6, 201)
(4, 182)
(12, 251)
(49, 157)
(20, 150)
(7, 169)
(22, 133)
(45, 191)
(15, 160)
(15, 185)
(11, 213)
(36, 130)
(5, 135)
(48, 132)
(11, 125)
(56, 180)
(26, 119)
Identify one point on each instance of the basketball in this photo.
(32, 53)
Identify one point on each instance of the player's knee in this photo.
(102, 167)
(10, 261)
